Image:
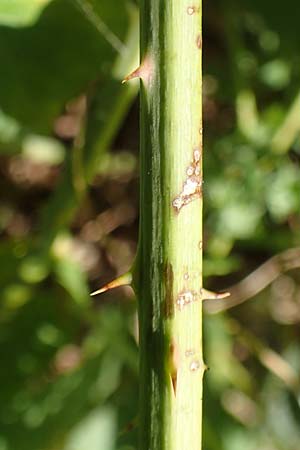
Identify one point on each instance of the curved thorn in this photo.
(123, 280)
(135, 74)
(144, 71)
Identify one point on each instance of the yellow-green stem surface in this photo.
(168, 272)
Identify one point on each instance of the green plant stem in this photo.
(168, 270)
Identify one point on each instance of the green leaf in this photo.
(73, 280)
(16, 13)
(44, 66)
(96, 432)
(275, 74)
(239, 220)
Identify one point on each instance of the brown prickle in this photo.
(123, 280)
(210, 295)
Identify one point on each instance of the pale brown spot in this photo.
(198, 364)
(190, 170)
(199, 41)
(185, 298)
(195, 365)
(189, 352)
(192, 10)
(197, 155)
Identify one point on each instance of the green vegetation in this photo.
(69, 150)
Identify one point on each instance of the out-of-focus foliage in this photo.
(20, 12)
(69, 215)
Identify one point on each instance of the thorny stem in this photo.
(168, 270)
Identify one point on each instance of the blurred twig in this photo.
(269, 358)
(257, 280)
(288, 131)
(101, 26)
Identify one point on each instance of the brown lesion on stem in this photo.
(169, 278)
(173, 366)
(192, 186)
(199, 41)
(174, 383)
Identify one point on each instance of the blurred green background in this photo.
(69, 218)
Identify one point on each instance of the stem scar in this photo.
(186, 297)
(192, 186)
(196, 364)
(192, 10)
